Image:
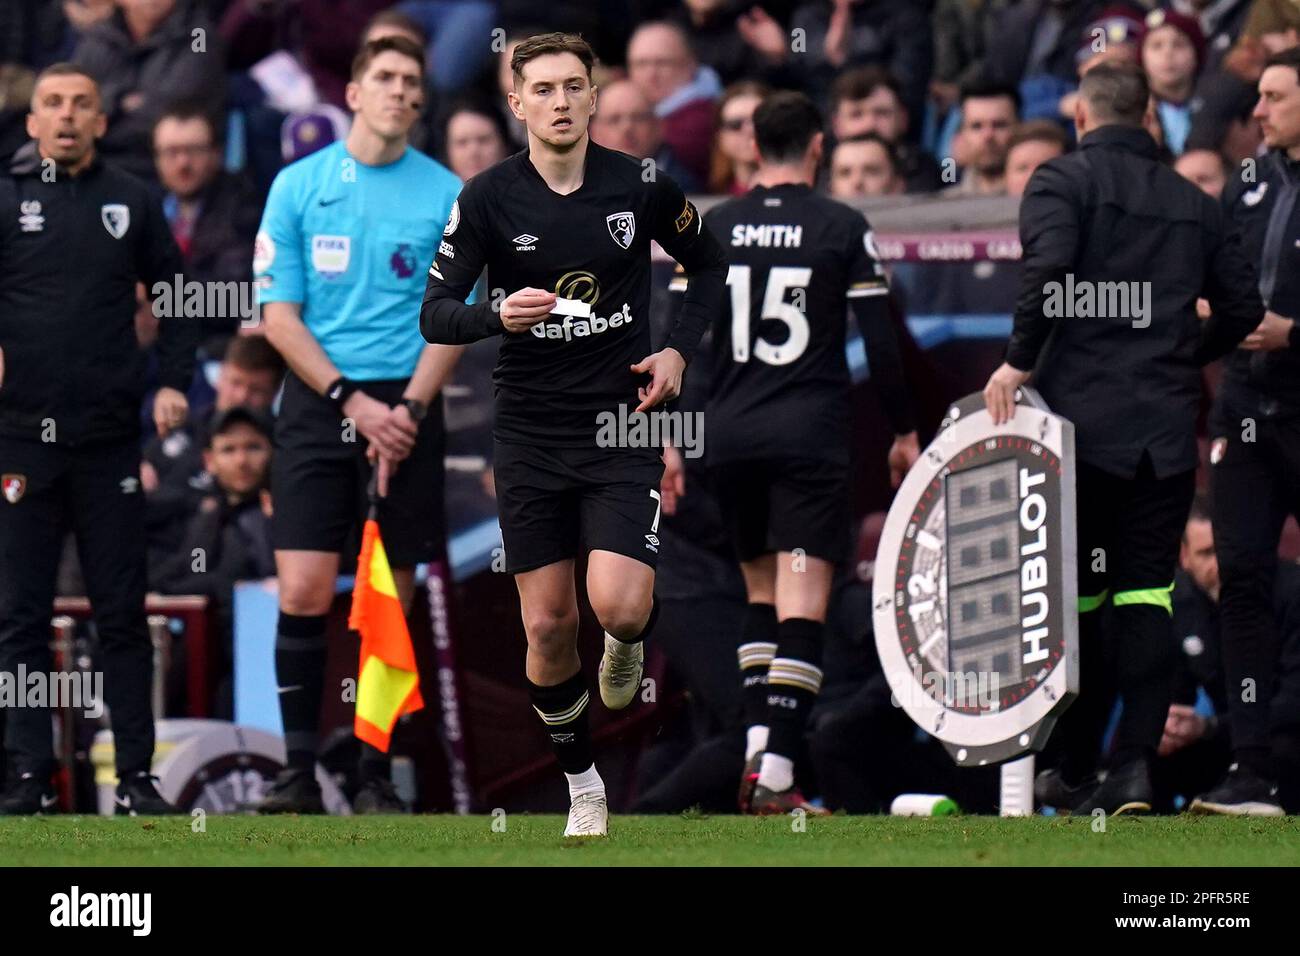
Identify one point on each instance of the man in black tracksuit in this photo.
(1117, 248)
(1255, 446)
(75, 238)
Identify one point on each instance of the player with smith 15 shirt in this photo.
(779, 440)
(564, 228)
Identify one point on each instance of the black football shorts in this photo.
(319, 480)
(785, 504)
(555, 501)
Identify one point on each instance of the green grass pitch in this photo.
(686, 840)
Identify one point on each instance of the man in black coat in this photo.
(1255, 445)
(1117, 248)
(76, 236)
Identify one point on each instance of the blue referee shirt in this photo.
(353, 243)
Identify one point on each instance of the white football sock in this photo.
(755, 740)
(586, 782)
(776, 772)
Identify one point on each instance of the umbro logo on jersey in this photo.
(31, 219)
(652, 543)
(129, 485)
(525, 242)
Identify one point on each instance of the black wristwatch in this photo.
(340, 391)
(417, 408)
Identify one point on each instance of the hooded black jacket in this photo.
(1111, 213)
(71, 252)
(1267, 212)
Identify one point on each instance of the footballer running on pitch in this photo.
(564, 227)
(780, 447)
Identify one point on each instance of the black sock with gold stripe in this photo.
(563, 709)
(793, 680)
(755, 652)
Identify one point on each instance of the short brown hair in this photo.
(397, 44)
(1039, 131)
(545, 43)
(1117, 92)
(860, 82)
(399, 21)
(185, 110)
(253, 353)
(66, 69)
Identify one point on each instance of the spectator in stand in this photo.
(475, 139)
(865, 165)
(661, 63)
(1031, 47)
(1116, 34)
(717, 39)
(1221, 23)
(1206, 168)
(988, 116)
(457, 32)
(845, 33)
(1032, 144)
(145, 56)
(226, 535)
(1223, 120)
(1271, 27)
(1194, 750)
(1172, 51)
(960, 38)
(868, 100)
(734, 153)
(213, 214)
(17, 83)
(625, 121)
(172, 471)
(322, 35)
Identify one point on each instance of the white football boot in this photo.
(620, 672)
(588, 815)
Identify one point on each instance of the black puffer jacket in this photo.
(71, 252)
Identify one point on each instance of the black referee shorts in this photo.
(771, 505)
(319, 480)
(554, 501)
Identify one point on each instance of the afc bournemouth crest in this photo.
(975, 594)
(13, 487)
(116, 218)
(622, 227)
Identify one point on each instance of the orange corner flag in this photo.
(387, 683)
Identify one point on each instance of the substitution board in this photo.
(975, 599)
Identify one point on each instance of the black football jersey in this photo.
(780, 377)
(591, 246)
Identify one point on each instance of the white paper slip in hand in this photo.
(574, 307)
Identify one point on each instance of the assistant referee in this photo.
(1137, 244)
(75, 238)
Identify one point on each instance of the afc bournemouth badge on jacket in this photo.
(116, 218)
(622, 227)
(13, 487)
